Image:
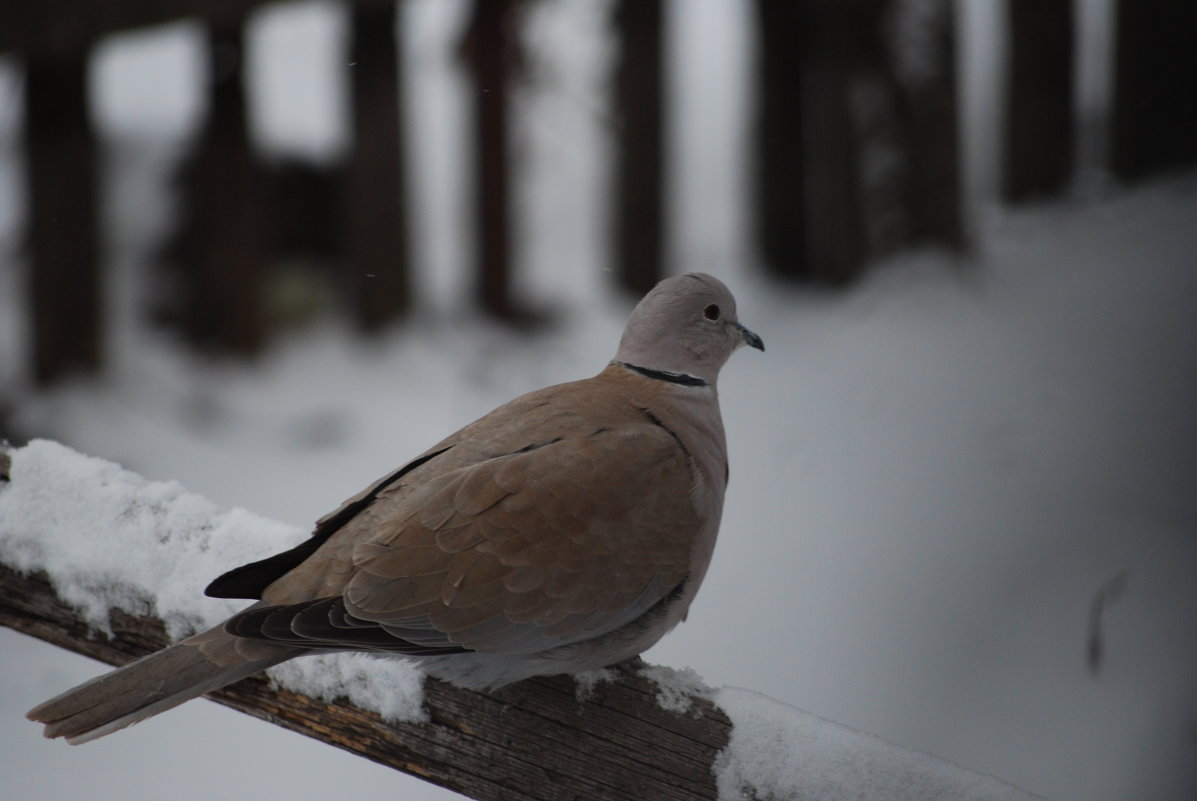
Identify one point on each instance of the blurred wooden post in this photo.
(857, 134)
(1155, 87)
(639, 212)
(805, 117)
(377, 241)
(927, 91)
(65, 295)
(779, 177)
(224, 302)
(1040, 131)
(489, 50)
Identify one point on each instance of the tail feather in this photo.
(155, 683)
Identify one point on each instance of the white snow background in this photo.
(933, 475)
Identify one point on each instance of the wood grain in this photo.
(532, 740)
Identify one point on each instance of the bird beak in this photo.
(751, 339)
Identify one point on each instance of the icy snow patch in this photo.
(394, 688)
(779, 752)
(676, 687)
(109, 538)
(586, 681)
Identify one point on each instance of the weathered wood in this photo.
(533, 740)
(64, 285)
(377, 259)
(1037, 157)
(1154, 121)
(639, 207)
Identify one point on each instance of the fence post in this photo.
(377, 257)
(1154, 124)
(927, 91)
(65, 294)
(489, 50)
(779, 177)
(639, 207)
(223, 302)
(857, 133)
(1040, 132)
(808, 179)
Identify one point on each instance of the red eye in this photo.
(711, 312)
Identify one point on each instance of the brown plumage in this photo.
(568, 529)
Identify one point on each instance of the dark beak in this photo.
(751, 339)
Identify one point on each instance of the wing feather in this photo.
(537, 546)
(573, 538)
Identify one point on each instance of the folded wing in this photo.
(553, 544)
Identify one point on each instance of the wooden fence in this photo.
(832, 86)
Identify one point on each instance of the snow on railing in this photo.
(101, 561)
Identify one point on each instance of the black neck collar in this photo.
(684, 379)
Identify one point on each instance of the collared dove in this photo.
(566, 530)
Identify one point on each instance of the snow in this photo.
(778, 753)
(150, 81)
(83, 519)
(587, 681)
(109, 538)
(676, 687)
(932, 477)
(394, 688)
(299, 95)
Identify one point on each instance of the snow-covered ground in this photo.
(933, 475)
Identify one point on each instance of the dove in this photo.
(566, 530)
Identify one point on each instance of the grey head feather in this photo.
(685, 325)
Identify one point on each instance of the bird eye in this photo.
(711, 312)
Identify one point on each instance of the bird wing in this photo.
(559, 541)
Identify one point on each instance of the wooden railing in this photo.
(531, 742)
